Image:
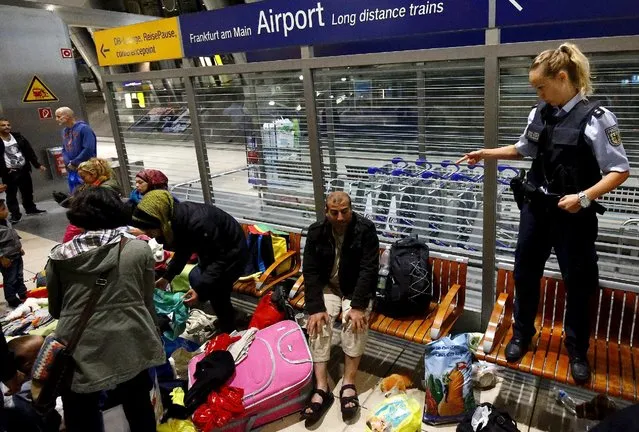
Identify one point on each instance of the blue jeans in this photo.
(14, 288)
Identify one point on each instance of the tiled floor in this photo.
(528, 399)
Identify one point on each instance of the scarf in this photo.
(86, 242)
(156, 211)
(154, 178)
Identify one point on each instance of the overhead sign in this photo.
(45, 113)
(280, 23)
(38, 92)
(523, 12)
(148, 41)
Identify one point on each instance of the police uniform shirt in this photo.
(602, 134)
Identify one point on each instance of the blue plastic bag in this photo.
(74, 180)
(448, 378)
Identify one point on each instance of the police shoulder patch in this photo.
(614, 135)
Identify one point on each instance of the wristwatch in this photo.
(584, 201)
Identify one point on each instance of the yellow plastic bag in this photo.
(398, 413)
(174, 425)
(279, 249)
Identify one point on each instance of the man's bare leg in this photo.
(321, 381)
(351, 365)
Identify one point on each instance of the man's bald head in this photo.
(338, 198)
(65, 116)
(338, 211)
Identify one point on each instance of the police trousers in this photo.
(573, 238)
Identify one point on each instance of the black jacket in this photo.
(215, 236)
(358, 267)
(26, 150)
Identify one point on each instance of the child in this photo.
(11, 266)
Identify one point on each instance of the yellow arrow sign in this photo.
(149, 41)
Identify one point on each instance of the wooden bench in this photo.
(268, 279)
(614, 341)
(449, 294)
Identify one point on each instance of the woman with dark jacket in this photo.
(214, 235)
(120, 342)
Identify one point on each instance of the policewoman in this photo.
(577, 157)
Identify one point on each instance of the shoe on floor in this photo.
(36, 211)
(580, 369)
(516, 349)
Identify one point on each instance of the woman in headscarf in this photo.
(146, 181)
(214, 235)
(95, 172)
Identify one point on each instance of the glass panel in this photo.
(388, 137)
(254, 128)
(155, 126)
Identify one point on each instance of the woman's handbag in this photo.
(54, 367)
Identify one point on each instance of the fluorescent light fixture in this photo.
(50, 8)
(272, 103)
(299, 108)
(343, 79)
(301, 77)
(132, 83)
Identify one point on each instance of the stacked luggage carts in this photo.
(440, 201)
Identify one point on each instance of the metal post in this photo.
(198, 142)
(491, 136)
(123, 158)
(313, 136)
(421, 113)
(330, 129)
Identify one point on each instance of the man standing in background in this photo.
(15, 170)
(78, 143)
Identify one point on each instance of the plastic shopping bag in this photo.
(398, 413)
(448, 377)
(177, 426)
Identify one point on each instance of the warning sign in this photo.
(38, 92)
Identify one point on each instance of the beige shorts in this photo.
(353, 343)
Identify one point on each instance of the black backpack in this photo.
(498, 421)
(409, 288)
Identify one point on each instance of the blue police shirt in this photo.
(601, 133)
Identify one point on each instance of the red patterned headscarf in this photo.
(154, 178)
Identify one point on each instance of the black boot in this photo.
(516, 348)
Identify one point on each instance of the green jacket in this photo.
(121, 339)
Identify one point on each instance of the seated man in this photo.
(341, 263)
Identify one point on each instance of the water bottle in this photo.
(569, 403)
(384, 269)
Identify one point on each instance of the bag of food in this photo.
(398, 413)
(448, 376)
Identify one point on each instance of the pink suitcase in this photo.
(276, 376)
